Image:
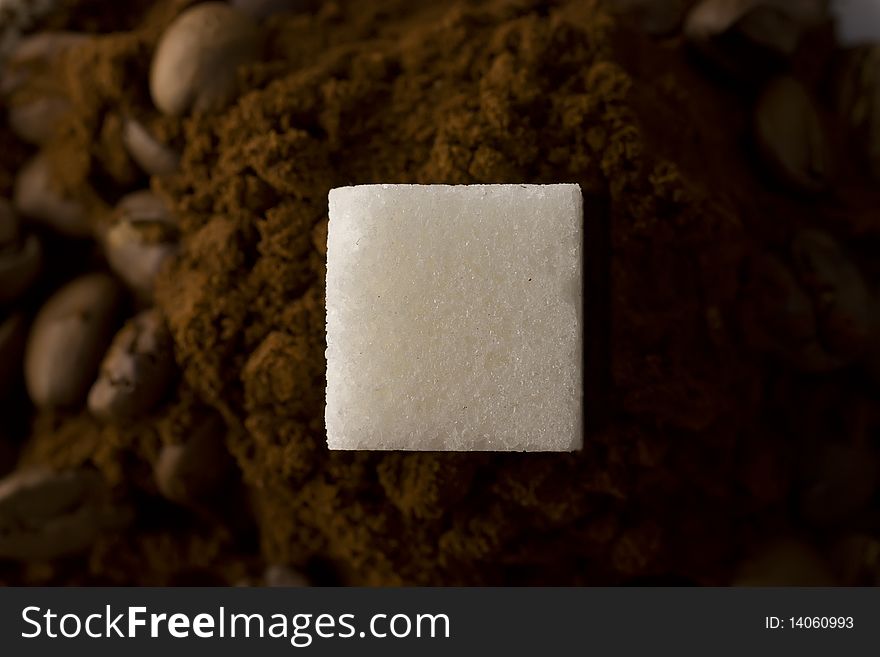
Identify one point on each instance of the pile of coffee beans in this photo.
(94, 340)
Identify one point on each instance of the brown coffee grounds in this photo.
(489, 93)
(679, 474)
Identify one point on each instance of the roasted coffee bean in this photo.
(856, 560)
(775, 24)
(34, 114)
(771, 29)
(140, 241)
(655, 17)
(136, 370)
(284, 577)
(19, 268)
(790, 137)
(847, 310)
(858, 100)
(710, 18)
(197, 59)
(145, 207)
(151, 155)
(786, 562)
(20, 259)
(749, 38)
(260, 9)
(191, 473)
(8, 224)
(36, 54)
(69, 336)
(37, 196)
(779, 317)
(13, 332)
(46, 515)
(837, 483)
(36, 121)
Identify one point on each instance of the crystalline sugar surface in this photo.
(454, 317)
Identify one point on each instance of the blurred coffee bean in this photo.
(35, 54)
(37, 196)
(151, 155)
(279, 576)
(19, 268)
(35, 111)
(786, 562)
(141, 239)
(655, 17)
(856, 560)
(770, 28)
(136, 370)
(20, 260)
(790, 137)
(260, 9)
(36, 121)
(858, 100)
(13, 332)
(837, 483)
(8, 224)
(710, 18)
(846, 308)
(46, 515)
(191, 473)
(749, 38)
(69, 336)
(196, 61)
(778, 315)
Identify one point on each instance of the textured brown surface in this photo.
(682, 471)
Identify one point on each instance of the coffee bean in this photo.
(770, 29)
(279, 576)
(750, 38)
(847, 311)
(19, 268)
(13, 332)
(710, 18)
(837, 483)
(191, 473)
(34, 113)
(779, 317)
(786, 562)
(36, 54)
(69, 336)
(8, 224)
(136, 370)
(20, 259)
(46, 515)
(858, 100)
(856, 560)
(140, 241)
(790, 137)
(197, 59)
(775, 24)
(37, 196)
(260, 9)
(146, 208)
(151, 155)
(655, 17)
(36, 121)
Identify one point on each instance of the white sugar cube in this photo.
(454, 318)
